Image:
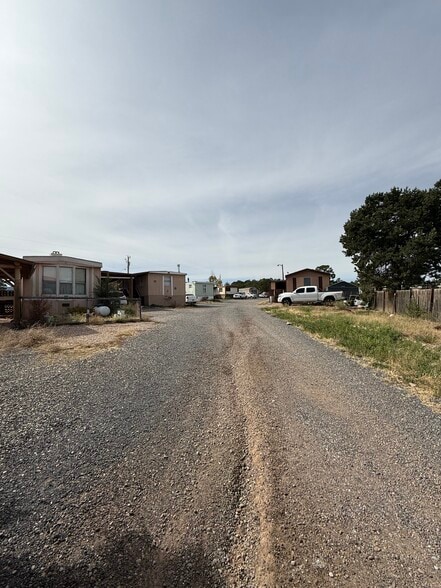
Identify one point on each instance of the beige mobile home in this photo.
(160, 288)
(63, 281)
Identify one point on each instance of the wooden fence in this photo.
(427, 300)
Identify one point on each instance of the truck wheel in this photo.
(329, 300)
(286, 301)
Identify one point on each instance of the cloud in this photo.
(227, 137)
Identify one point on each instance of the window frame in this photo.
(59, 282)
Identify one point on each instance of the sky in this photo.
(224, 136)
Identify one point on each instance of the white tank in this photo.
(102, 310)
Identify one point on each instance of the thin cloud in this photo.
(226, 137)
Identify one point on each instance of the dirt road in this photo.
(220, 448)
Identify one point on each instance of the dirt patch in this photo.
(71, 340)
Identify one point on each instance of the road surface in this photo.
(221, 448)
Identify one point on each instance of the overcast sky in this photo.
(227, 136)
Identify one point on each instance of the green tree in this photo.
(328, 269)
(107, 293)
(394, 238)
(262, 285)
(217, 281)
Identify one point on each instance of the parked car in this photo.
(239, 295)
(250, 295)
(309, 295)
(356, 301)
(190, 299)
(264, 295)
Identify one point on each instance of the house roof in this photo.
(9, 263)
(344, 283)
(308, 269)
(122, 275)
(203, 282)
(61, 259)
(161, 272)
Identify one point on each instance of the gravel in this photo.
(223, 447)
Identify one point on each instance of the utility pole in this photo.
(179, 268)
(281, 265)
(128, 263)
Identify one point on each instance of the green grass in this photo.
(384, 345)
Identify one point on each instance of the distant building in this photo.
(308, 277)
(277, 287)
(348, 288)
(201, 290)
(154, 288)
(226, 291)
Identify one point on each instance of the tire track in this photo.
(257, 525)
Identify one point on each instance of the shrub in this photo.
(107, 294)
(413, 310)
(129, 310)
(77, 310)
(39, 312)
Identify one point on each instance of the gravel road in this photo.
(222, 448)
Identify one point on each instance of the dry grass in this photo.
(74, 341)
(421, 330)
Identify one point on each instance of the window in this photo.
(167, 281)
(300, 290)
(306, 281)
(311, 289)
(64, 281)
(50, 280)
(80, 281)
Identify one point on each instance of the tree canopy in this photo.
(394, 238)
(328, 269)
(217, 281)
(262, 285)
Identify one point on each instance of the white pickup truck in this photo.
(309, 295)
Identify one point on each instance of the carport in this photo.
(12, 271)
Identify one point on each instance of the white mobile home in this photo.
(201, 290)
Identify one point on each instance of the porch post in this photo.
(17, 294)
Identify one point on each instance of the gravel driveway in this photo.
(221, 447)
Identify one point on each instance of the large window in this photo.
(64, 281)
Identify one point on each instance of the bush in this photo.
(107, 294)
(413, 310)
(129, 310)
(77, 310)
(39, 312)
